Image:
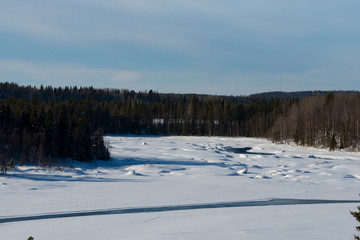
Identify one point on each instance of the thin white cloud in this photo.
(125, 76)
(236, 83)
(60, 74)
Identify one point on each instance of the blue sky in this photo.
(230, 47)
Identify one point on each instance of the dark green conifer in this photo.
(63, 141)
(49, 144)
(83, 140)
(100, 151)
(332, 144)
(356, 215)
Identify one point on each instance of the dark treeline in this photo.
(129, 112)
(36, 131)
(38, 124)
(12, 90)
(331, 121)
(293, 95)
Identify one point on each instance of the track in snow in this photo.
(268, 202)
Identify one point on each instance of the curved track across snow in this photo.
(267, 202)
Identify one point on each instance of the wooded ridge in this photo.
(41, 124)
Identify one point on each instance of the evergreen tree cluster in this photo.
(38, 124)
(38, 131)
(356, 215)
(124, 111)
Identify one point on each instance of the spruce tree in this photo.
(49, 143)
(332, 144)
(357, 216)
(83, 140)
(62, 134)
(101, 152)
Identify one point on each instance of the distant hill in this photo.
(13, 90)
(297, 95)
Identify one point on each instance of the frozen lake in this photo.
(195, 172)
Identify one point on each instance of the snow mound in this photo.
(262, 177)
(242, 171)
(133, 173)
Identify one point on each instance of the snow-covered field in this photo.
(163, 171)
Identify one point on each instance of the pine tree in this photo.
(193, 111)
(357, 216)
(49, 135)
(332, 144)
(34, 119)
(83, 140)
(210, 117)
(328, 98)
(62, 134)
(3, 165)
(101, 152)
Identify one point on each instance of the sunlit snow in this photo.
(164, 171)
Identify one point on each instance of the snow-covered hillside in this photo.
(163, 171)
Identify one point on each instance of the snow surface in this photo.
(162, 171)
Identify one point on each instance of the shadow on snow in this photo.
(59, 178)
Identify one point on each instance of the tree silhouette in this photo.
(356, 215)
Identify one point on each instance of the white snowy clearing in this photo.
(129, 196)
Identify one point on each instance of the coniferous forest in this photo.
(39, 125)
